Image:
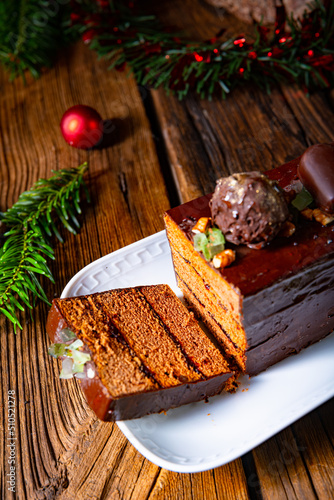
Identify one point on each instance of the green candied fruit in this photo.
(302, 200)
(78, 368)
(57, 350)
(66, 335)
(200, 241)
(80, 357)
(207, 253)
(75, 345)
(209, 243)
(73, 360)
(213, 250)
(215, 236)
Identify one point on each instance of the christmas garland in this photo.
(303, 54)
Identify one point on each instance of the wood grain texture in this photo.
(298, 462)
(251, 130)
(223, 482)
(62, 450)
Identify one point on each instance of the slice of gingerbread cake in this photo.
(255, 259)
(135, 351)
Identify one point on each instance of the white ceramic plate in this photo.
(200, 436)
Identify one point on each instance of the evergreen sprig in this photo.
(31, 32)
(30, 225)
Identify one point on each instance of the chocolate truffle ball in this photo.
(248, 208)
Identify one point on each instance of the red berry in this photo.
(88, 35)
(82, 127)
(103, 3)
(74, 17)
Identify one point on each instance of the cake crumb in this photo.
(232, 385)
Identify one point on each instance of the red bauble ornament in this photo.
(82, 127)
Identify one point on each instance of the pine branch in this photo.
(30, 225)
(31, 32)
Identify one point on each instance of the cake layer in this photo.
(148, 354)
(223, 324)
(105, 343)
(270, 302)
(146, 335)
(217, 302)
(184, 328)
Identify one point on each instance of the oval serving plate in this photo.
(201, 436)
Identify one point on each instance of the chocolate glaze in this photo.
(316, 171)
(135, 405)
(287, 287)
(288, 316)
(255, 269)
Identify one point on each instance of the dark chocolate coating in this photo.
(135, 405)
(316, 171)
(290, 315)
(287, 287)
(249, 208)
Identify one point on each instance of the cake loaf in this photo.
(146, 352)
(271, 301)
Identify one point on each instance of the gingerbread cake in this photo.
(137, 351)
(274, 295)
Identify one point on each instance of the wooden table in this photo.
(163, 152)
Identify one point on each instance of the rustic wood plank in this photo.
(314, 114)
(207, 140)
(315, 436)
(62, 449)
(298, 462)
(198, 21)
(281, 469)
(326, 412)
(249, 131)
(133, 477)
(223, 482)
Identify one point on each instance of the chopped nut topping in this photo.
(224, 259)
(318, 215)
(201, 225)
(287, 230)
(322, 217)
(289, 195)
(307, 213)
